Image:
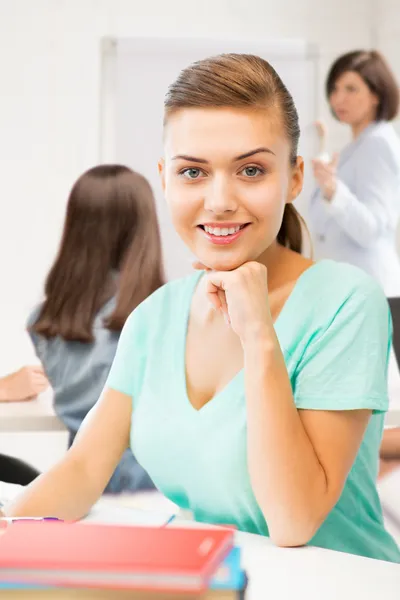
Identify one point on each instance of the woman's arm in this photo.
(24, 384)
(298, 460)
(71, 487)
(390, 447)
(317, 214)
(369, 211)
(302, 442)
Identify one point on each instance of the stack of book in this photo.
(80, 561)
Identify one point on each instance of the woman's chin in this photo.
(222, 264)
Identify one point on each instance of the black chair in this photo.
(14, 470)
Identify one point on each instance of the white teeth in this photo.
(221, 230)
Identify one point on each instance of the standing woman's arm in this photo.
(371, 210)
(318, 213)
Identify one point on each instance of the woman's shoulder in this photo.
(164, 300)
(338, 287)
(381, 140)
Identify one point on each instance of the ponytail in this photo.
(291, 232)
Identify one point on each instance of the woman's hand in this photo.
(242, 295)
(325, 174)
(24, 384)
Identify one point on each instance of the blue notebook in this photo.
(229, 576)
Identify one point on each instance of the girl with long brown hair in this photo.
(108, 262)
(252, 391)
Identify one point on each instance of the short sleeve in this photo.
(344, 366)
(128, 364)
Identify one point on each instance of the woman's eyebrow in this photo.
(240, 157)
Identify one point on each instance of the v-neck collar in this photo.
(239, 376)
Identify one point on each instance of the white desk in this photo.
(393, 416)
(38, 415)
(290, 574)
(32, 415)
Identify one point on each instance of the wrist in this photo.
(329, 191)
(259, 341)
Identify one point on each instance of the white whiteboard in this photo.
(135, 77)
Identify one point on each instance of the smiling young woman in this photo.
(253, 391)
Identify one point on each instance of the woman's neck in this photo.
(358, 128)
(283, 265)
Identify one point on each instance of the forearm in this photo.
(287, 478)
(390, 447)
(356, 218)
(66, 491)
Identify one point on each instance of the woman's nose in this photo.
(220, 197)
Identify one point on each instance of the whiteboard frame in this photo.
(110, 46)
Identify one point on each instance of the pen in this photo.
(171, 518)
(14, 519)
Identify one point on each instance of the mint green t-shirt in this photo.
(335, 334)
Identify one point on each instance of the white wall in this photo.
(49, 103)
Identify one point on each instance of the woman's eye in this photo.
(252, 171)
(191, 173)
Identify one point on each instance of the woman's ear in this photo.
(161, 172)
(297, 179)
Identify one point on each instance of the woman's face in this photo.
(352, 101)
(227, 177)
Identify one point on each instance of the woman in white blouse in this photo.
(355, 209)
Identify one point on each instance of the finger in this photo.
(43, 382)
(335, 160)
(34, 368)
(325, 167)
(38, 369)
(212, 295)
(320, 127)
(319, 168)
(40, 379)
(36, 388)
(224, 305)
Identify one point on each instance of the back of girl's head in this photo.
(110, 246)
(242, 81)
(372, 67)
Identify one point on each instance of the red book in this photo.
(112, 556)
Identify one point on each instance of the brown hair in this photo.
(110, 246)
(241, 81)
(375, 72)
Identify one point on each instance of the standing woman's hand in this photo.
(242, 295)
(325, 174)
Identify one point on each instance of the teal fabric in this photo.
(335, 334)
